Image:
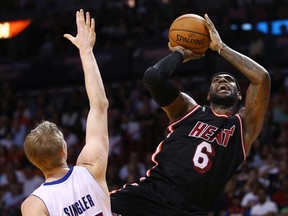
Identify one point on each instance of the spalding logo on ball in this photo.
(190, 32)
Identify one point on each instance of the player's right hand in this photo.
(86, 36)
(187, 54)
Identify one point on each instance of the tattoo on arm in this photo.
(242, 61)
(252, 95)
(250, 65)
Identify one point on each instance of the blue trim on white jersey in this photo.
(60, 180)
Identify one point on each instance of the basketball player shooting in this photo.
(205, 144)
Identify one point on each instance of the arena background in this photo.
(41, 78)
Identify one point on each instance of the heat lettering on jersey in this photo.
(211, 133)
(80, 206)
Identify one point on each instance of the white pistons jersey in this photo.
(77, 193)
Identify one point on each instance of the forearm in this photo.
(248, 67)
(156, 79)
(168, 64)
(93, 81)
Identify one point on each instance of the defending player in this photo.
(82, 189)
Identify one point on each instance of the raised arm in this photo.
(258, 93)
(94, 154)
(157, 81)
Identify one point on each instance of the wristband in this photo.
(220, 49)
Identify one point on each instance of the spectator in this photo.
(32, 180)
(14, 195)
(264, 206)
(251, 197)
(235, 209)
(131, 127)
(280, 197)
(133, 169)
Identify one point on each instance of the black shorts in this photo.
(134, 200)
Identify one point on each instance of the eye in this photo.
(229, 79)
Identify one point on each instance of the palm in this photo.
(86, 36)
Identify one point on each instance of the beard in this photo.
(227, 101)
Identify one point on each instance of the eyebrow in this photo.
(225, 76)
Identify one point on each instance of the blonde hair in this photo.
(44, 145)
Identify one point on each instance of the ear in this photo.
(208, 96)
(239, 96)
(65, 152)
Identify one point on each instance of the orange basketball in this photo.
(190, 32)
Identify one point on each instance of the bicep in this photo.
(179, 107)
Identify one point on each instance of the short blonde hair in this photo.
(44, 145)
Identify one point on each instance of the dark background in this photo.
(41, 78)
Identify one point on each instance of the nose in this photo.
(222, 79)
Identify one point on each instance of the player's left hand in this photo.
(216, 41)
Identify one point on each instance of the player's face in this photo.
(223, 90)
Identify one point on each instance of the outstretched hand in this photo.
(187, 54)
(86, 36)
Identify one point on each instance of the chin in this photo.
(223, 100)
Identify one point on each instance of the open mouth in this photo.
(223, 88)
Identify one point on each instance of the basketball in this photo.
(190, 32)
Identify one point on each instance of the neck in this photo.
(55, 174)
(223, 110)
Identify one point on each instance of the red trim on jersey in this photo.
(124, 186)
(159, 148)
(170, 127)
(242, 136)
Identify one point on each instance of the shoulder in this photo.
(33, 205)
(181, 106)
(189, 99)
(271, 203)
(241, 113)
(82, 170)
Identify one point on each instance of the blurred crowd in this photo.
(136, 123)
(134, 24)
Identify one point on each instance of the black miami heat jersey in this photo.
(193, 163)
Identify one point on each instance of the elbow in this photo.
(105, 104)
(151, 77)
(265, 78)
(101, 104)
(261, 77)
